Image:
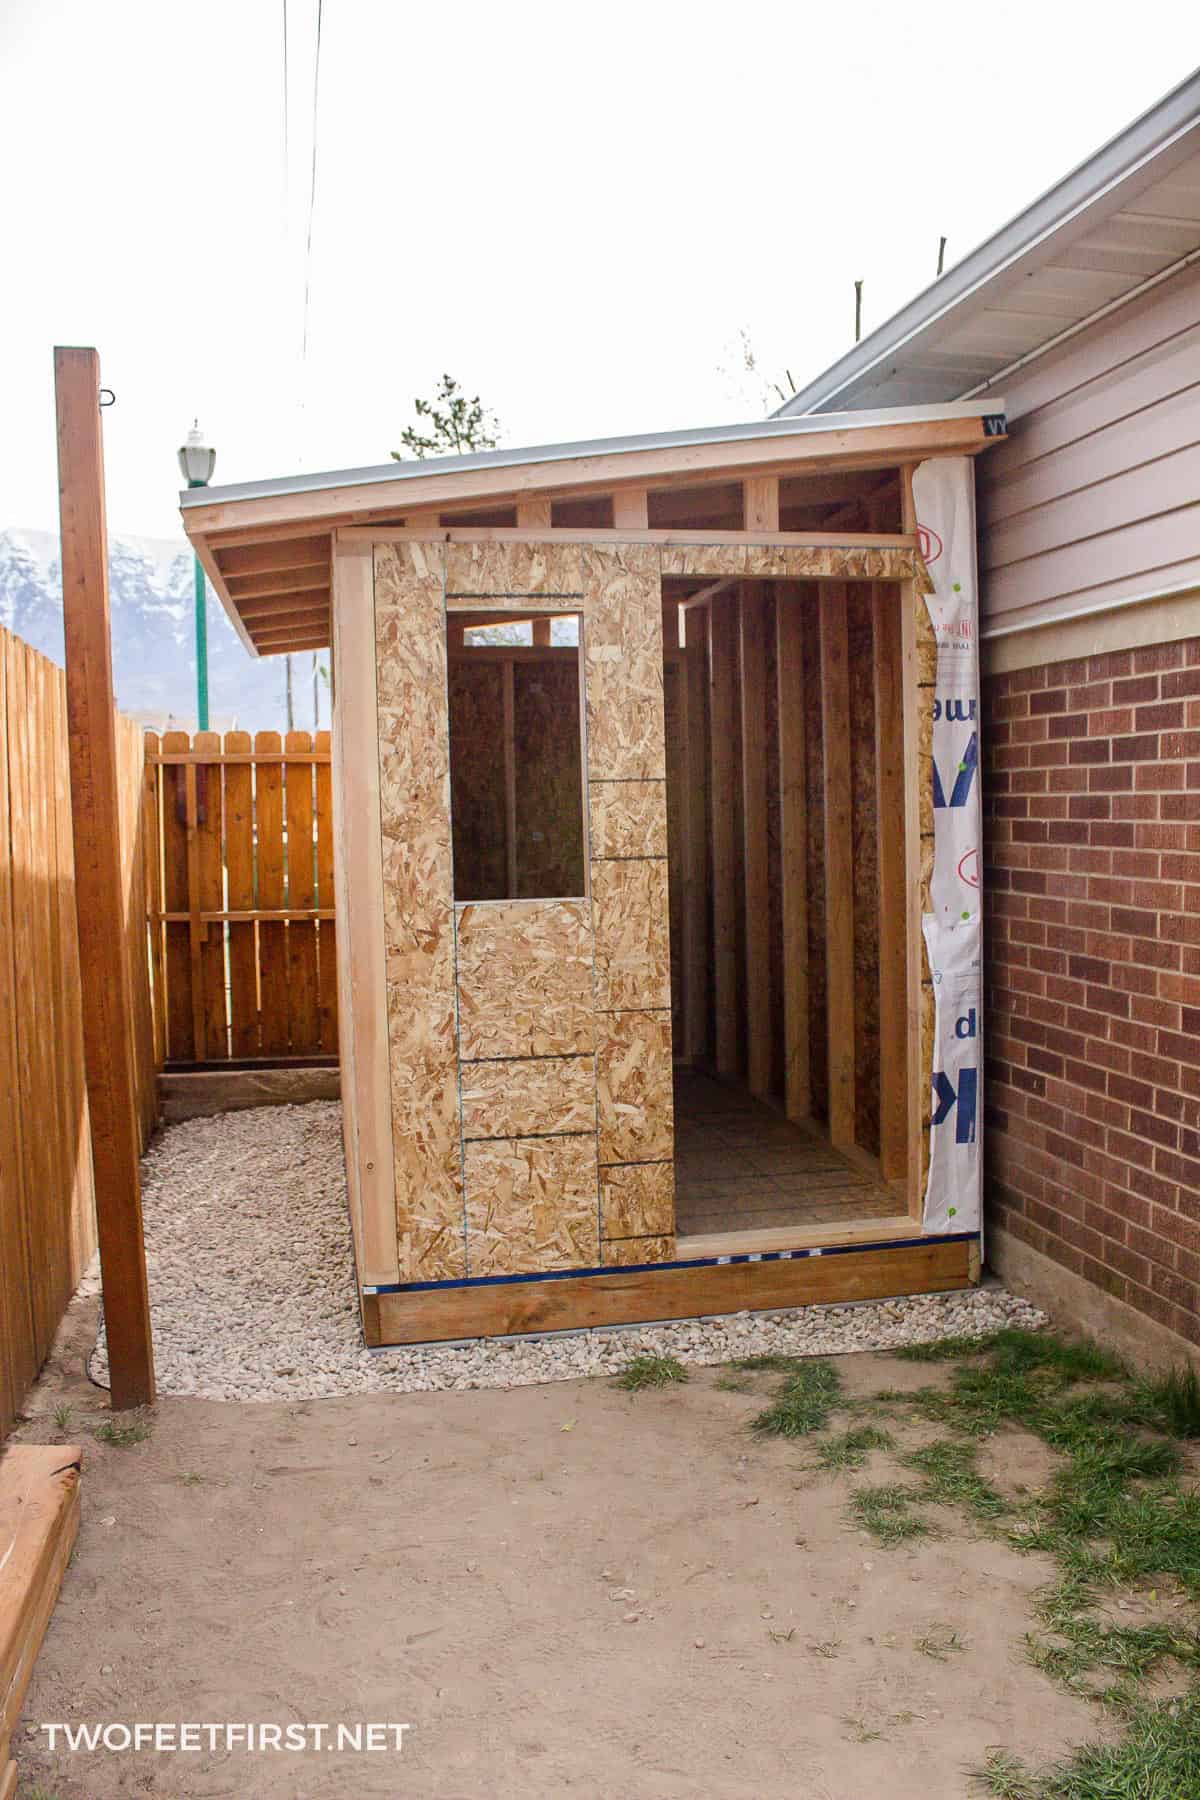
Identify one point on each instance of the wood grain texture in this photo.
(623, 669)
(839, 863)
(627, 1252)
(532, 1205)
(39, 1522)
(752, 668)
(637, 1200)
(634, 1087)
(891, 891)
(525, 979)
(628, 819)
(239, 865)
(623, 1299)
(632, 936)
(108, 1030)
(418, 908)
(361, 955)
(693, 875)
(479, 573)
(531, 1097)
(722, 714)
(793, 830)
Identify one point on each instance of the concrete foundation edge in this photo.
(1076, 1303)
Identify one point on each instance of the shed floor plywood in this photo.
(741, 1166)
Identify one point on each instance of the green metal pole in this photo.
(201, 638)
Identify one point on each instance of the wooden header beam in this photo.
(99, 901)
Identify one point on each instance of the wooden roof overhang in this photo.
(838, 479)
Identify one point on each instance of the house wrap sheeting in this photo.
(944, 496)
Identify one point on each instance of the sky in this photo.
(581, 213)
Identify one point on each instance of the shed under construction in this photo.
(656, 862)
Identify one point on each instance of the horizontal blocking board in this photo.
(680, 1291)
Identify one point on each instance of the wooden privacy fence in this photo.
(47, 1210)
(242, 942)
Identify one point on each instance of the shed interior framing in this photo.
(634, 829)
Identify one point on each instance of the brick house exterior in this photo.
(1092, 975)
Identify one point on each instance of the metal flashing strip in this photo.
(700, 1262)
(763, 429)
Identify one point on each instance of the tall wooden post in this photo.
(107, 1008)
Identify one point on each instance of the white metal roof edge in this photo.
(400, 472)
(1086, 186)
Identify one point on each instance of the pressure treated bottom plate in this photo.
(627, 1297)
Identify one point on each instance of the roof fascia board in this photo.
(1124, 165)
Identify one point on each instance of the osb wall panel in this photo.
(671, 841)
(637, 1200)
(532, 1097)
(623, 662)
(865, 832)
(624, 1253)
(634, 1087)
(477, 574)
(796, 562)
(531, 1205)
(770, 704)
(477, 798)
(549, 797)
(525, 979)
(418, 909)
(629, 913)
(629, 819)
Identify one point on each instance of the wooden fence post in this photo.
(99, 908)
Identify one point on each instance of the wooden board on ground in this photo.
(579, 1302)
(39, 1520)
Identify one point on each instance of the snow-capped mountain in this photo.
(154, 661)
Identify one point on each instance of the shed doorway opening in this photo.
(786, 822)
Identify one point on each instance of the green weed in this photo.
(62, 1417)
(650, 1372)
(1158, 1759)
(886, 1512)
(804, 1402)
(1171, 1402)
(951, 1477)
(850, 1449)
(122, 1436)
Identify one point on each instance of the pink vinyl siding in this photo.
(1095, 497)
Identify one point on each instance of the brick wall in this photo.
(1092, 896)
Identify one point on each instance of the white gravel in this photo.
(252, 1285)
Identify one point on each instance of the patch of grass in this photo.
(952, 1478)
(946, 1349)
(1086, 1644)
(650, 1372)
(941, 1645)
(1158, 1759)
(850, 1449)
(1171, 1402)
(729, 1384)
(62, 1417)
(803, 1403)
(122, 1436)
(886, 1512)
(773, 1363)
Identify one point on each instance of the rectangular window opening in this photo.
(516, 757)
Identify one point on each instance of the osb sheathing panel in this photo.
(418, 908)
(532, 1205)
(670, 841)
(629, 915)
(634, 1087)
(637, 1200)
(629, 819)
(769, 701)
(525, 979)
(549, 796)
(477, 573)
(623, 662)
(530, 1097)
(477, 802)
(796, 562)
(628, 1252)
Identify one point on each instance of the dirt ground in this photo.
(562, 1590)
